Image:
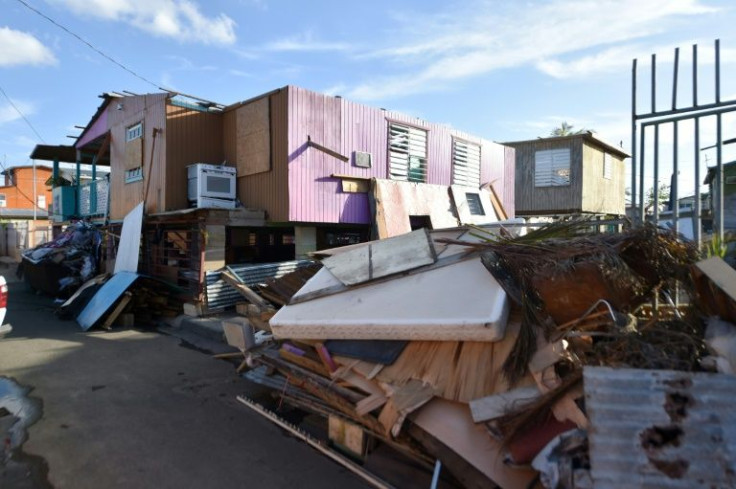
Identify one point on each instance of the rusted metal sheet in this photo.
(661, 428)
(221, 295)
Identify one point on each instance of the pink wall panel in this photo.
(346, 127)
(98, 128)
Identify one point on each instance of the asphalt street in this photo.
(133, 408)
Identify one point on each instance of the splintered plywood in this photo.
(252, 127)
(134, 154)
(396, 202)
(451, 423)
(383, 258)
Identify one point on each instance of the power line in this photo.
(17, 188)
(109, 58)
(22, 115)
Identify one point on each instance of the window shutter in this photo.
(407, 153)
(465, 163)
(552, 168)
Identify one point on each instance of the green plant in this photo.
(716, 246)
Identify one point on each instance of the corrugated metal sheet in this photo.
(221, 295)
(347, 127)
(655, 428)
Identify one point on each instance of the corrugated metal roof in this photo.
(657, 428)
(221, 295)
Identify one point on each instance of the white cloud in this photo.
(305, 41)
(21, 48)
(9, 114)
(178, 19)
(620, 57)
(240, 73)
(490, 36)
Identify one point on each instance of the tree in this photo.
(565, 129)
(664, 195)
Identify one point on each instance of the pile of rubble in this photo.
(60, 266)
(559, 357)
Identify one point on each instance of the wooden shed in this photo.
(577, 174)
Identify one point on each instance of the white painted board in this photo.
(382, 258)
(457, 302)
(126, 259)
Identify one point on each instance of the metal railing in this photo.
(93, 197)
(654, 121)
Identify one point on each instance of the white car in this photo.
(4, 328)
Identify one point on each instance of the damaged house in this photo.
(301, 171)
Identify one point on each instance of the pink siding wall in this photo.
(346, 127)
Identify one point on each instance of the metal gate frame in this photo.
(654, 118)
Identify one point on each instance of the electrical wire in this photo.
(17, 188)
(12, 104)
(98, 51)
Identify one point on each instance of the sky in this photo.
(502, 70)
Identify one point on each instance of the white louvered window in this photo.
(465, 163)
(552, 168)
(407, 153)
(607, 166)
(134, 132)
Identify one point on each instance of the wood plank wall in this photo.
(547, 200)
(121, 114)
(192, 137)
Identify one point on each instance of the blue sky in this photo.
(503, 70)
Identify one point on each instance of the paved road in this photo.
(134, 409)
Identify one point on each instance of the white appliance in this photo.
(211, 186)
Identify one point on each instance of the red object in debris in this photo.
(529, 443)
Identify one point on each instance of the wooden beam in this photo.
(326, 150)
(127, 296)
(243, 289)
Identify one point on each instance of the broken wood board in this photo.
(498, 204)
(104, 299)
(419, 306)
(233, 280)
(491, 407)
(383, 258)
(716, 286)
(451, 423)
(126, 259)
(122, 303)
(404, 400)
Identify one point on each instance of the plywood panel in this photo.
(253, 132)
(601, 195)
(268, 190)
(134, 154)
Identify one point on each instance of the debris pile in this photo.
(414, 342)
(60, 266)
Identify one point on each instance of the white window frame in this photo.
(3, 200)
(134, 132)
(407, 152)
(607, 166)
(41, 201)
(466, 157)
(134, 175)
(552, 167)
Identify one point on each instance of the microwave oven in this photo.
(205, 181)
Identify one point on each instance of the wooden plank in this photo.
(497, 204)
(127, 296)
(382, 258)
(243, 289)
(326, 150)
(721, 274)
(491, 407)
